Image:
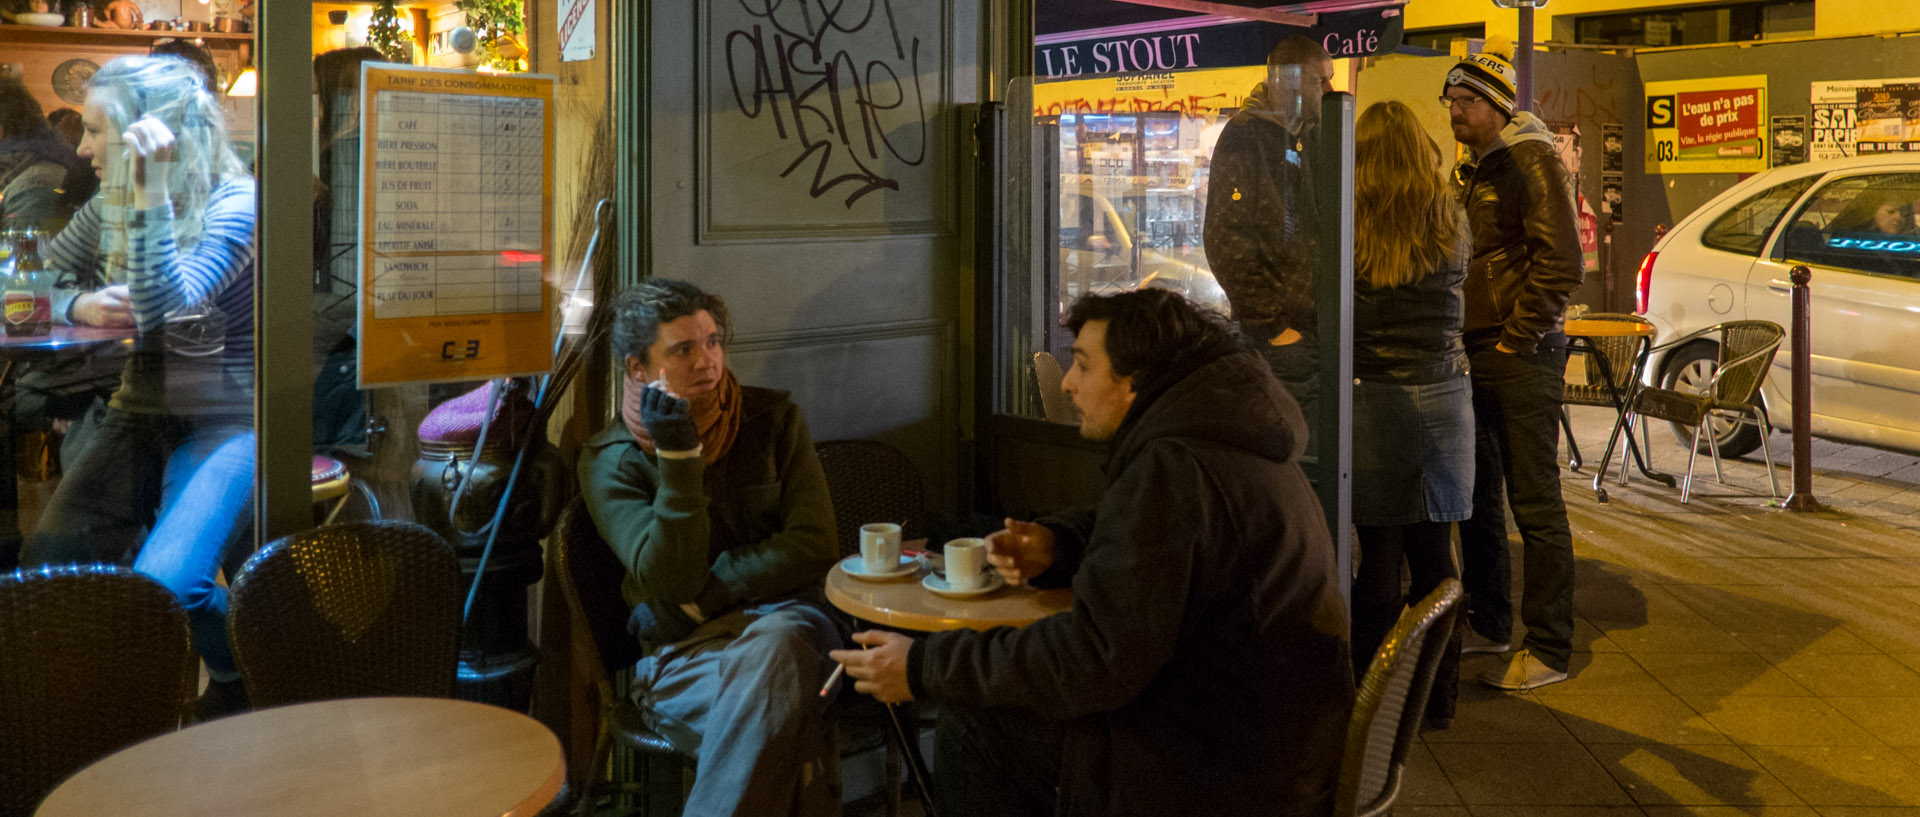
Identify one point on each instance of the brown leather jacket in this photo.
(1526, 239)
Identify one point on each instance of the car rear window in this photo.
(1744, 228)
(1861, 224)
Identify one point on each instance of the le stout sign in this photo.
(1190, 43)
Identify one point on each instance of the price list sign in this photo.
(455, 236)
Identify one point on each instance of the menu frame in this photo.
(436, 343)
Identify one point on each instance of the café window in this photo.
(1115, 173)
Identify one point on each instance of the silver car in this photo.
(1851, 222)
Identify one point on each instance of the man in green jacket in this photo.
(713, 498)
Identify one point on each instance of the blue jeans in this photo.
(191, 481)
(742, 695)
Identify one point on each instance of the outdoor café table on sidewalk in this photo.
(905, 604)
(362, 756)
(1584, 335)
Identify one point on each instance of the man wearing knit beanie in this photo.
(1525, 265)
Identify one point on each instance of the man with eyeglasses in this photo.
(1260, 212)
(1525, 265)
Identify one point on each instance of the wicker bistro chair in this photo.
(872, 482)
(1732, 392)
(1391, 700)
(356, 610)
(1054, 402)
(93, 658)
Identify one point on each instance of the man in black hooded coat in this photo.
(1203, 666)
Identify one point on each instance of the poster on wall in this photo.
(576, 30)
(457, 199)
(1566, 143)
(1835, 120)
(1789, 139)
(1611, 187)
(1613, 147)
(1715, 125)
(1888, 118)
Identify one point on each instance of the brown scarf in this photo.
(716, 414)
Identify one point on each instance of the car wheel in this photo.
(1686, 371)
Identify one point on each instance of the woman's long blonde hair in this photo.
(1405, 220)
(173, 91)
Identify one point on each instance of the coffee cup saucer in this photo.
(856, 567)
(940, 587)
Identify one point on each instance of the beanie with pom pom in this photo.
(1490, 73)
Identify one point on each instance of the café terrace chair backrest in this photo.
(1048, 377)
(1746, 355)
(93, 658)
(1620, 354)
(363, 609)
(871, 481)
(1390, 703)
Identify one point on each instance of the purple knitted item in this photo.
(457, 421)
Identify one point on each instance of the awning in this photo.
(1075, 39)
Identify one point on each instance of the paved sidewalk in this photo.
(1733, 658)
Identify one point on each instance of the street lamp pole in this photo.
(1523, 51)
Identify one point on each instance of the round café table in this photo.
(368, 757)
(903, 603)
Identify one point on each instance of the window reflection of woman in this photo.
(174, 224)
(1412, 404)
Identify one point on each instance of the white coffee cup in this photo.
(880, 547)
(966, 564)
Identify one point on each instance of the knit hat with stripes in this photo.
(1490, 73)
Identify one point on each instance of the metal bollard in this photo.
(1802, 497)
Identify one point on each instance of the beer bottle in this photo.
(26, 307)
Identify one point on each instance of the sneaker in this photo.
(1522, 673)
(1474, 642)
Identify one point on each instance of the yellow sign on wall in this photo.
(1716, 125)
(1192, 93)
(455, 235)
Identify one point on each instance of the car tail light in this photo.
(1643, 282)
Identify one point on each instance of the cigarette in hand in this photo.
(826, 689)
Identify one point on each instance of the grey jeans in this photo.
(741, 694)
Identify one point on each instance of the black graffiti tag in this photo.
(802, 68)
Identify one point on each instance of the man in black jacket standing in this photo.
(1203, 666)
(1525, 264)
(1261, 213)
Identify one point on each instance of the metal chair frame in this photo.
(1732, 393)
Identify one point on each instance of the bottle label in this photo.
(19, 307)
